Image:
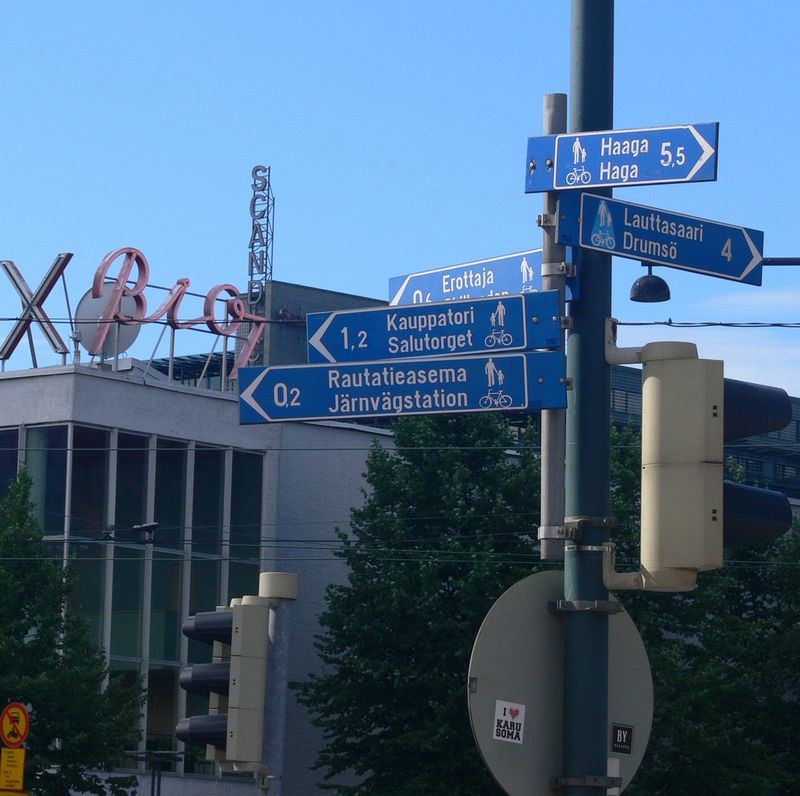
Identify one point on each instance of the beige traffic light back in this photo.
(682, 465)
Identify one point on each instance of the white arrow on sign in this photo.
(707, 151)
(316, 339)
(247, 395)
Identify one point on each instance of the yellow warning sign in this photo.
(12, 769)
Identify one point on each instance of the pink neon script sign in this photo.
(235, 310)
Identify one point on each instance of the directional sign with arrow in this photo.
(500, 323)
(681, 153)
(500, 382)
(509, 273)
(660, 236)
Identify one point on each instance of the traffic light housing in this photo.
(235, 681)
(687, 511)
(208, 679)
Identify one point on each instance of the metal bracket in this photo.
(586, 782)
(551, 532)
(558, 269)
(574, 525)
(594, 606)
(546, 220)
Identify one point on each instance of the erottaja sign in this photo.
(134, 263)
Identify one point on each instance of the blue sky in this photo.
(396, 134)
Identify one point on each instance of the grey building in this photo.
(109, 450)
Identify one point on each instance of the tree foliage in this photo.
(50, 664)
(446, 528)
(725, 660)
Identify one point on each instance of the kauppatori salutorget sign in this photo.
(383, 363)
(504, 323)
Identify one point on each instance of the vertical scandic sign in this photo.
(501, 382)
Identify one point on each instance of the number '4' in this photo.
(727, 250)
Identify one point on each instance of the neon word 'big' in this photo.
(235, 312)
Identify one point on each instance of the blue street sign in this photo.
(499, 382)
(681, 153)
(500, 323)
(660, 236)
(497, 276)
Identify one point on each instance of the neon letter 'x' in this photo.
(32, 306)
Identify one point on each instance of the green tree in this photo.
(724, 659)
(78, 731)
(448, 525)
(446, 528)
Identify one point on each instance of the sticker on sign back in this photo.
(509, 721)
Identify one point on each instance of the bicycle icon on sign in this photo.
(495, 398)
(603, 238)
(498, 337)
(578, 174)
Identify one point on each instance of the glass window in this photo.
(162, 697)
(242, 579)
(204, 596)
(246, 505)
(9, 444)
(170, 493)
(126, 606)
(88, 562)
(165, 611)
(89, 481)
(46, 450)
(131, 502)
(209, 469)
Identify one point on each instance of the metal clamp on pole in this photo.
(596, 606)
(573, 526)
(586, 782)
(558, 269)
(551, 532)
(546, 220)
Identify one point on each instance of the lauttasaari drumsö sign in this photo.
(660, 237)
(500, 382)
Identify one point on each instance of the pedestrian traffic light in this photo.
(687, 512)
(235, 682)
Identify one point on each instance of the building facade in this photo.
(112, 451)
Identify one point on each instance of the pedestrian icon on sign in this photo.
(494, 397)
(578, 152)
(603, 228)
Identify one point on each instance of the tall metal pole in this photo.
(553, 421)
(588, 436)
